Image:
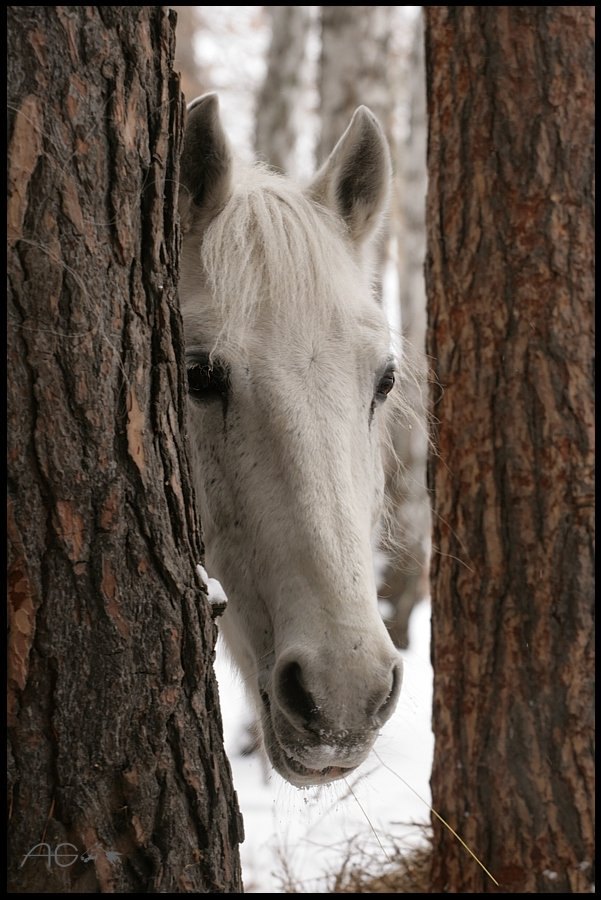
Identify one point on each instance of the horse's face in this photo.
(288, 368)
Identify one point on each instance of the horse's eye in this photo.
(385, 385)
(207, 379)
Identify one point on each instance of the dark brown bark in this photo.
(510, 302)
(114, 727)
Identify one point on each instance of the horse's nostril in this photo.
(293, 696)
(385, 710)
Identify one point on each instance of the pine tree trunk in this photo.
(510, 303)
(115, 744)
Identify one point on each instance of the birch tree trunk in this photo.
(510, 304)
(277, 121)
(118, 778)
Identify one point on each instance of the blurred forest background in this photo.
(289, 79)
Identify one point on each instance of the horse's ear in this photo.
(355, 179)
(206, 163)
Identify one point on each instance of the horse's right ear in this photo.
(355, 180)
(205, 165)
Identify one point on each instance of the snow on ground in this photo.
(310, 829)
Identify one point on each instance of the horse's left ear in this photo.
(355, 179)
(206, 163)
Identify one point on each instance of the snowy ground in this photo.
(310, 829)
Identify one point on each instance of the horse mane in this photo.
(285, 256)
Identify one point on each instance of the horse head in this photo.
(289, 375)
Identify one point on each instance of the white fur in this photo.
(289, 472)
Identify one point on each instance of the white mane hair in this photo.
(250, 271)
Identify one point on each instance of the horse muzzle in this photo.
(310, 759)
(306, 750)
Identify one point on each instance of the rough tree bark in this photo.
(115, 743)
(277, 122)
(510, 301)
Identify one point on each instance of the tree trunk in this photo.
(353, 69)
(119, 782)
(277, 120)
(510, 303)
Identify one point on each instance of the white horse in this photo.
(289, 367)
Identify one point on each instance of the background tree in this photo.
(510, 307)
(115, 742)
(355, 42)
(194, 78)
(277, 119)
